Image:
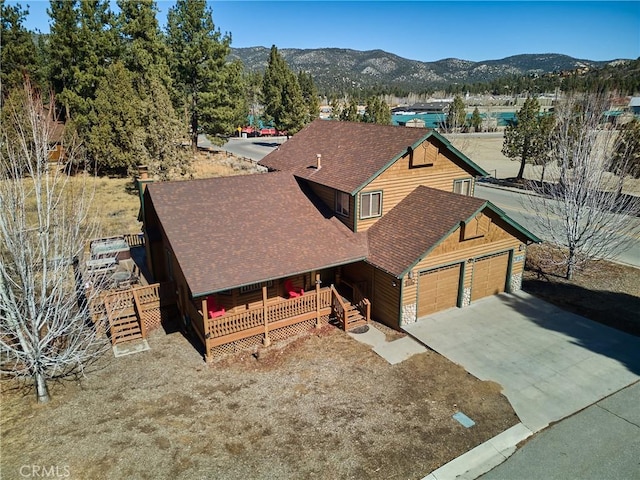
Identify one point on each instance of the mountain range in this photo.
(337, 69)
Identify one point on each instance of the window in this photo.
(463, 187)
(254, 286)
(342, 203)
(371, 204)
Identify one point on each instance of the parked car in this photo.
(267, 131)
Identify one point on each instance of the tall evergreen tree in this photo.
(82, 42)
(18, 53)
(527, 137)
(115, 142)
(350, 112)
(282, 96)
(199, 66)
(309, 95)
(457, 116)
(144, 51)
(145, 56)
(476, 120)
(377, 111)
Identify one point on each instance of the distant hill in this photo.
(339, 68)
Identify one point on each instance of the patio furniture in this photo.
(291, 290)
(213, 308)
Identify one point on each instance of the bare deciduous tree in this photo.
(45, 328)
(582, 213)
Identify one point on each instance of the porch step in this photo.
(125, 329)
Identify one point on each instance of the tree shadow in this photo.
(613, 335)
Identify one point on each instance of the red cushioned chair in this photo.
(291, 290)
(213, 308)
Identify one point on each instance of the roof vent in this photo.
(318, 161)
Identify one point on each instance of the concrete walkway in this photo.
(550, 363)
(393, 352)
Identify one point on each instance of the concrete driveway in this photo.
(550, 363)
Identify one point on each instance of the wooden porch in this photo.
(274, 318)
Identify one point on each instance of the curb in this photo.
(484, 457)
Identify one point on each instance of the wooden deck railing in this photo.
(134, 239)
(277, 312)
(271, 315)
(360, 301)
(132, 313)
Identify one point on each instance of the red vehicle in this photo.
(267, 131)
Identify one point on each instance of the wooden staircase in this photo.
(353, 317)
(124, 321)
(348, 315)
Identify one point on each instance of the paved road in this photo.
(513, 204)
(602, 441)
(254, 148)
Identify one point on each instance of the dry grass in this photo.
(116, 200)
(323, 406)
(606, 292)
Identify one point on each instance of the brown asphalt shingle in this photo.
(351, 152)
(232, 231)
(413, 226)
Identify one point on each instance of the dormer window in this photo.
(342, 203)
(370, 204)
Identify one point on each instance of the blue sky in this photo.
(424, 30)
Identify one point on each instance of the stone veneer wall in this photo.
(466, 297)
(516, 282)
(409, 314)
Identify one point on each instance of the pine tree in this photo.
(309, 95)
(457, 115)
(18, 53)
(527, 138)
(476, 120)
(144, 52)
(350, 112)
(145, 57)
(115, 142)
(282, 97)
(199, 66)
(377, 111)
(82, 42)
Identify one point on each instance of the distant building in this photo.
(634, 106)
(418, 108)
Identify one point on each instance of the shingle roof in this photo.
(233, 231)
(414, 226)
(351, 153)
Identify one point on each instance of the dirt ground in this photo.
(606, 292)
(323, 406)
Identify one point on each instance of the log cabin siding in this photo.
(385, 298)
(400, 179)
(328, 197)
(500, 237)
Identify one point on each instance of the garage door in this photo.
(438, 289)
(489, 275)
